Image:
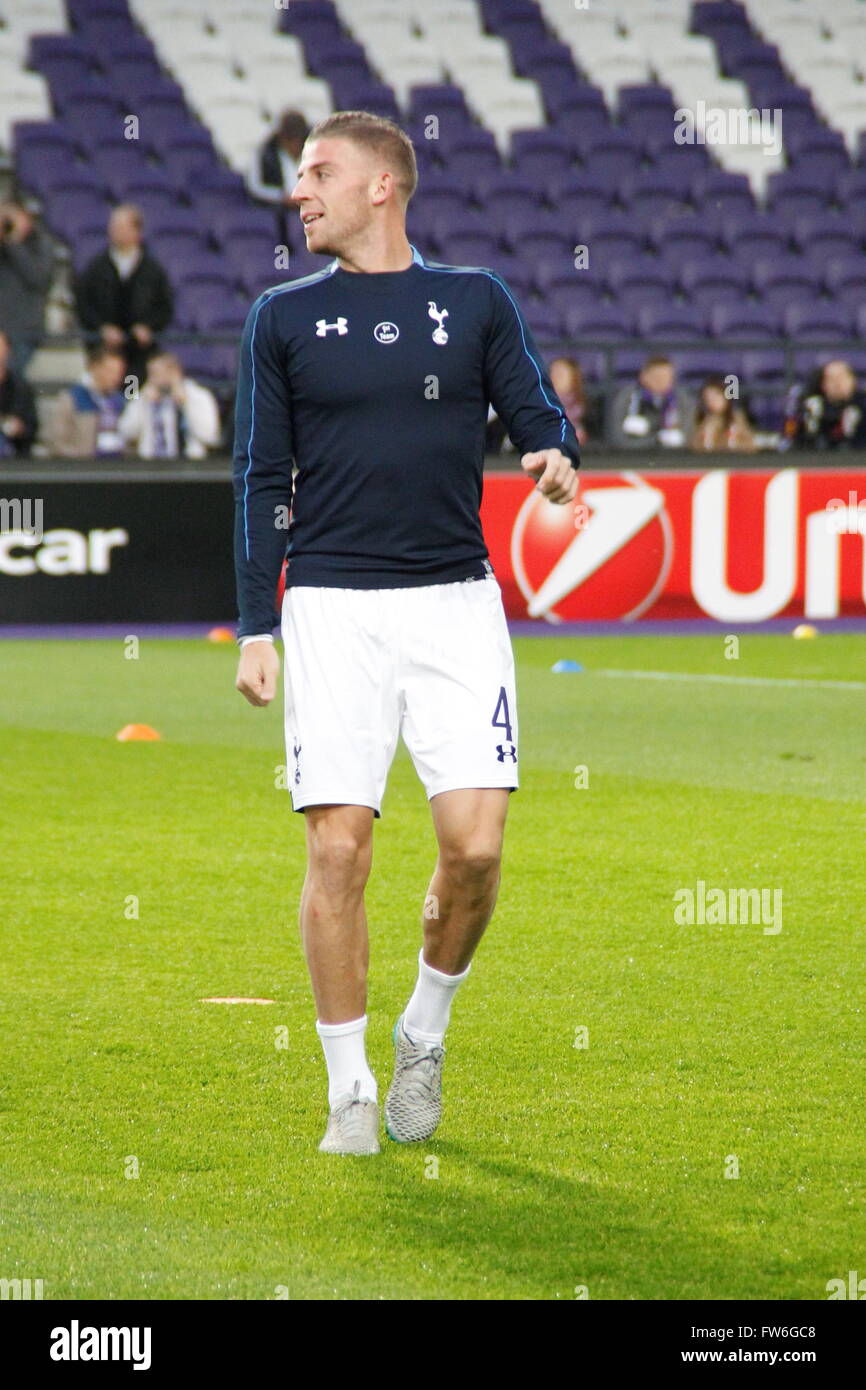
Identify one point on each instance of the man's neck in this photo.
(393, 254)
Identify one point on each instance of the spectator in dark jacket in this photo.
(123, 296)
(274, 170)
(17, 408)
(653, 413)
(829, 412)
(26, 268)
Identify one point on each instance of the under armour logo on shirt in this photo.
(323, 327)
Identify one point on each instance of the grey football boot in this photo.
(413, 1107)
(353, 1125)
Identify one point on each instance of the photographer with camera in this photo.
(26, 270)
(173, 416)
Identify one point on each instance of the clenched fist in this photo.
(258, 669)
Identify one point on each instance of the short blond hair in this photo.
(378, 134)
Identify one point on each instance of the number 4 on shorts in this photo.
(505, 721)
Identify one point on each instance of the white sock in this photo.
(346, 1059)
(428, 1011)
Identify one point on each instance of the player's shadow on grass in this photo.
(543, 1235)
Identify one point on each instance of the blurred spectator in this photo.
(719, 422)
(26, 269)
(85, 422)
(173, 416)
(567, 379)
(274, 170)
(17, 408)
(829, 412)
(123, 296)
(655, 412)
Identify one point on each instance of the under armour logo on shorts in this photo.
(506, 750)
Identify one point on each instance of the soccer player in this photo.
(362, 401)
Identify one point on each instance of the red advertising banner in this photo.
(735, 546)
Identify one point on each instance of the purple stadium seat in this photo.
(681, 236)
(602, 321)
(518, 224)
(845, 276)
(640, 280)
(231, 221)
(545, 319)
(611, 156)
(41, 169)
(723, 191)
(540, 154)
(694, 365)
(550, 267)
(675, 322)
(791, 195)
(43, 135)
(776, 277)
(437, 99)
(577, 204)
(89, 111)
(817, 319)
(751, 235)
(468, 248)
(764, 366)
(823, 149)
(51, 46)
(177, 246)
(827, 236)
(744, 321)
(652, 195)
(601, 229)
(850, 186)
(574, 291)
(65, 71)
(715, 279)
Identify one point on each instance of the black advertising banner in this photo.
(115, 551)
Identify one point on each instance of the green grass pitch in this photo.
(557, 1168)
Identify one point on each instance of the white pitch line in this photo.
(799, 682)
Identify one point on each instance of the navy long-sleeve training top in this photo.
(376, 388)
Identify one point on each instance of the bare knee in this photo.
(339, 851)
(474, 860)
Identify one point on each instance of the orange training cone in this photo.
(131, 732)
(220, 634)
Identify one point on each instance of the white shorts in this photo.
(363, 666)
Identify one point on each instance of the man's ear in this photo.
(381, 187)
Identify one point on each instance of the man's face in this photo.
(123, 230)
(162, 372)
(658, 379)
(334, 188)
(107, 374)
(838, 381)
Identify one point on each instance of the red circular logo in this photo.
(604, 556)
